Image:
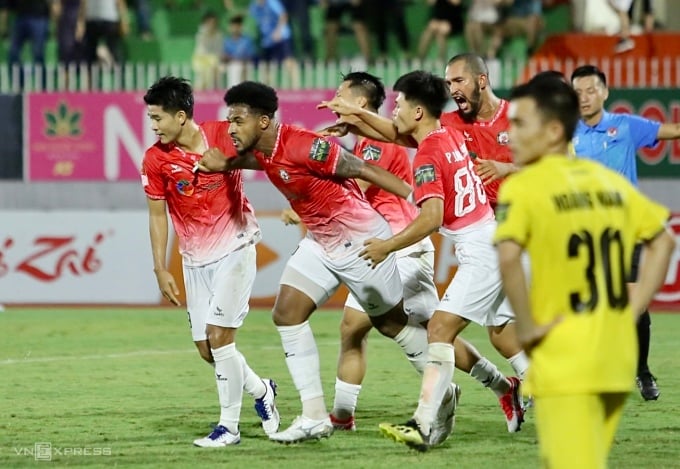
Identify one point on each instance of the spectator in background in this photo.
(335, 9)
(70, 31)
(298, 12)
(389, 15)
(237, 52)
(446, 19)
(625, 42)
(143, 15)
(207, 52)
(275, 37)
(648, 20)
(31, 24)
(482, 17)
(520, 18)
(105, 20)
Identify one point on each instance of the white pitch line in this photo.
(138, 353)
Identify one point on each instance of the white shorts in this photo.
(476, 292)
(621, 5)
(218, 293)
(311, 271)
(420, 293)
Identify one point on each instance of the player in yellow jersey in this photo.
(579, 223)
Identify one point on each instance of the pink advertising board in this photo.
(103, 136)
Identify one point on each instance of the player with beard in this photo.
(482, 117)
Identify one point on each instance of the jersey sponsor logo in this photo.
(320, 150)
(425, 174)
(468, 137)
(371, 153)
(502, 212)
(612, 131)
(175, 168)
(503, 138)
(284, 175)
(185, 187)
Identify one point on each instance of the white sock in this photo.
(519, 363)
(252, 383)
(302, 358)
(436, 379)
(413, 341)
(346, 397)
(486, 373)
(229, 377)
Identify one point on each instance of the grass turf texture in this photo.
(128, 383)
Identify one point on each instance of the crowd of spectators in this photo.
(94, 30)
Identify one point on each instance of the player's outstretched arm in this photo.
(427, 222)
(365, 123)
(158, 231)
(652, 273)
(214, 161)
(351, 166)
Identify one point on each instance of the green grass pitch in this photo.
(125, 387)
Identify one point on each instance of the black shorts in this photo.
(635, 264)
(445, 11)
(335, 12)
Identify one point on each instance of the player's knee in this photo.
(204, 351)
(219, 336)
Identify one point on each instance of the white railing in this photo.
(621, 73)
(138, 76)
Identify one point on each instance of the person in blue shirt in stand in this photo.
(613, 139)
(276, 45)
(238, 50)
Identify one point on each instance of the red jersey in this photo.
(302, 167)
(485, 139)
(210, 212)
(443, 169)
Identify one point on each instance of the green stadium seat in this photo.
(177, 50)
(184, 22)
(141, 51)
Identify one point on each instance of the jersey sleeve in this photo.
(152, 178)
(512, 213)
(643, 131)
(427, 175)
(321, 155)
(647, 217)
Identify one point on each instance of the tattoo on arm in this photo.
(349, 165)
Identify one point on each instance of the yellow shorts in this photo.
(577, 430)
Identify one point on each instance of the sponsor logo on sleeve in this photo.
(371, 153)
(320, 150)
(502, 212)
(425, 174)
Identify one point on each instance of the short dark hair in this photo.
(238, 19)
(549, 75)
(554, 100)
(473, 63)
(588, 71)
(173, 94)
(257, 96)
(371, 87)
(426, 89)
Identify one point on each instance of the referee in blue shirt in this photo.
(613, 140)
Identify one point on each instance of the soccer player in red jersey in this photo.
(415, 263)
(318, 179)
(452, 200)
(217, 234)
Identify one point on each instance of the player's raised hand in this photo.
(289, 217)
(168, 286)
(375, 251)
(340, 106)
(335, 130)
(213, 161)
(490, 170)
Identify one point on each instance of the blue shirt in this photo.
(615, 140)
(241, 48)
(267, 16)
